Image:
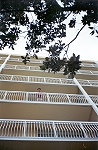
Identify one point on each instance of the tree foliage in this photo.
(44, 21)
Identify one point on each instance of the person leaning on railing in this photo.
(39, 94)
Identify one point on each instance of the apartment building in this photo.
(62, 115)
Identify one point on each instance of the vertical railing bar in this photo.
(28, 78)
(11, 128)
(31, 128)
(29, 68)
(5, 95)
(48, 98)
(60, 81)
(91, 72)
(21, 129)
(1, 128)
(15, 66)
(14, 129)
(68, 98)
(37, 129)
(11, 77)
(34, 129)
(6, 129)
(83, 130)
(24, 129)
(27, 96)
(17, 127)
(53, 124)
(89, 82)
(42, 129)
(44, 80)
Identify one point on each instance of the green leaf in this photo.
(92, 32)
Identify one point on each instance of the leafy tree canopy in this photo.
(44, 21)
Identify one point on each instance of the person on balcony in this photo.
(39, 94)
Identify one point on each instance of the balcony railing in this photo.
(22, 67)
(48, 130)
(88, 82)
(32, 79)
(47, 80)
(88, 65)
(3, 58)
(94, 98)
(32, 68)
(53, 98)
(41, 61)
(20, 60)
(88, 72)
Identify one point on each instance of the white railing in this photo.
(48, 80)
(32, 79)
(22, 67)
(4, 63)
(87, 72)
(94, 98)
(41, 61)
(31, 97)
(88, 82)
(32, 68)
(20, 60)
(3, 58)
(48, 130)
(88, 65)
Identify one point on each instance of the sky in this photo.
(85, 45)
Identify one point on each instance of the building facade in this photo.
(41, 110)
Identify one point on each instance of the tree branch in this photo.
(74, 38)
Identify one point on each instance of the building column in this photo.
(86, 95)
(3, 65)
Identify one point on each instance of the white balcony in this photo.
(29, 71)
(87, 75)
(32, 68)
(48, 98)
(56, 98)
(41, 61)
(88, 82)
(22, 67)
(35, 71)
(31, 83)
(19, 61)
(88, 65)
(48, 130)
(28, 105)
(47, 84)
(47, 80)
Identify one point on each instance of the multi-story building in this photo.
(63, 116)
